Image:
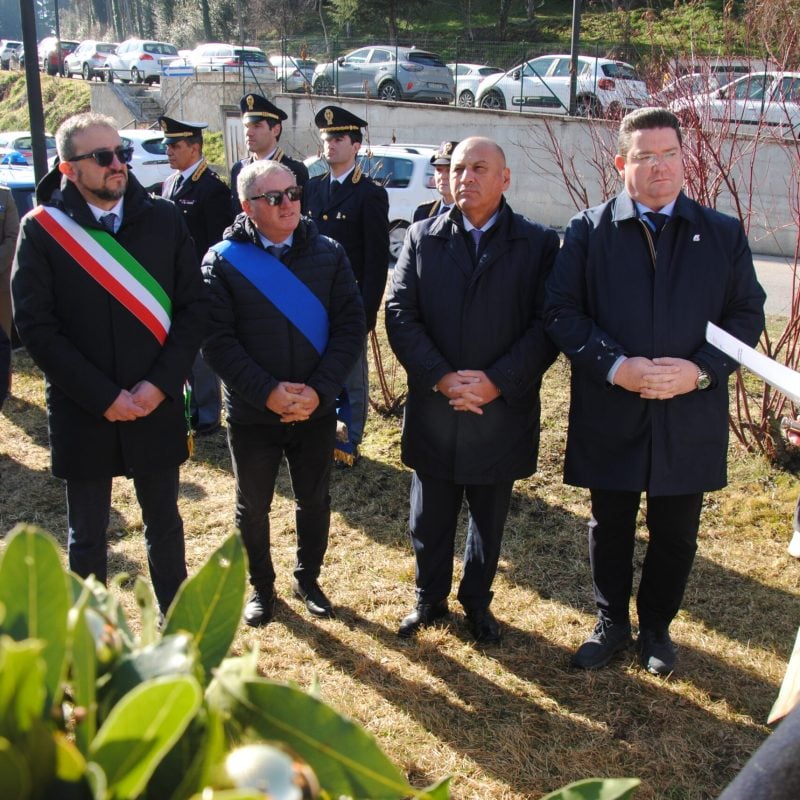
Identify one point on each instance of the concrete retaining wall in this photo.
(537, 184)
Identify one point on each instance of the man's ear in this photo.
(67, 169)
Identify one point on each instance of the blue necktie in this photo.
(655, 222)
(277, 250)
(476, 234)
(109, 222)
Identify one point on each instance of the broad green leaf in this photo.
(209, 604)
(35, 592)
(148, 609)
(104, 602)
(346, 759)
(70, 763)
(439, 791)
(141, 730)
(15, 776)
(38, 748)
(83, 674)
(170, 656)
(22, 689)
(597, 789)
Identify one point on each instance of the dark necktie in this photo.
(476, 234)
(443, 209)
(108, 221)
(335, 186)
(178, 184)
(277, 250)
(655, 222)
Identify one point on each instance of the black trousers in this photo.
(88, 506)
(673, 522)
(256, 452)
(435, 505)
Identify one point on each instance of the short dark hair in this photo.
(645, 119)
(272, 123)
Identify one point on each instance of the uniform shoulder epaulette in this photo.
(200, 170)
(279, 155)
(358, 173)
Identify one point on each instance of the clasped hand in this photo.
(293, 402)
(657, 378)
(468, 390)
(140, 401)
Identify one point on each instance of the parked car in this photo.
(21, 142)
(51, 60)
(754, 101)
(86, 59)
(140, 60)
(149, 164)
(7, 49)
(467, 77)
(388, 73)
(22, 182)
(10, 156)
(687, 87)
(230, 58)
(293, 74)
(406, 173)
(605, 87)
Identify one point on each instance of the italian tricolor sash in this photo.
(113, 267)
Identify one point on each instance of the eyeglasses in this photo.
(651, 159)
(105, 158)
(293, 194)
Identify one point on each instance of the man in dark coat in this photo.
(110, 303)
(465, 321)
(204, 200)
(441, 165)
(633, 287)
(287, 324)
(263, 126)
(347, 206)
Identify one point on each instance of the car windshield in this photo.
(155, 146)
(393, 173)
(251, 55)
(619, 71)
(161, 49)
(426, 59)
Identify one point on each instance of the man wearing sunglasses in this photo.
(287, 324)
(110, 303)
(205, 203)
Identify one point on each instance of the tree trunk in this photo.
(206, 20)
(502, 25)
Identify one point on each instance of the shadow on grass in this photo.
(556, 726)
(28, 417)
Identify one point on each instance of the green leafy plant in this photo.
(90, 711)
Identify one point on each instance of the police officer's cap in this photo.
(175, 129)
(255, 108)
(334, 120)
(441, 158)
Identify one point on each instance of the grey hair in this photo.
(73, 125)
(645, 119)
(252, 172)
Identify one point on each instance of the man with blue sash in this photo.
(287, 325)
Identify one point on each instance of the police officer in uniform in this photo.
(441, 165)
(350, 208)
(205, 202)
(262, 131)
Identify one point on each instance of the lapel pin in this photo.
(696, 237)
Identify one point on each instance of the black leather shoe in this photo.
(423, 615)
(483, 626)
(260, 608)
(607, 639)
(657, 652)
(314, 598)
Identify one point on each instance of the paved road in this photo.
(776, 276)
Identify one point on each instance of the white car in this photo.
(405, 171)
(89, 55)
(605, 87)
(294, 74)
(467, 78)
(150, 164)
(231, 59)
(757, 100)
(140, 60)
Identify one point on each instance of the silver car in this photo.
(140, 60)
(89, 56)
(388, 73)
(294, 74)
(467, 77)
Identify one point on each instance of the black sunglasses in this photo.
(293, 194)
(105, 158)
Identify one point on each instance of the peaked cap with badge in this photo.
(255, 108)
(443, 156)
(176, 129)
(334, 120)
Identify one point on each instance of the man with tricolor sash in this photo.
(287, 324)
(111, 306)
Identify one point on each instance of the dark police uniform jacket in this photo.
(205, 204)
(425, 210)
(357, 217)
(298, 167)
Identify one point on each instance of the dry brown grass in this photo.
(511, 722)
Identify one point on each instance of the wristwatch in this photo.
(703, 378)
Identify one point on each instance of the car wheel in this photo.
(136, 76)
(493, 100)
(587, 106)
(397, 235)
(466, 99)
(323, 85)
(51, 70)
(389, 91)
(86, 72)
